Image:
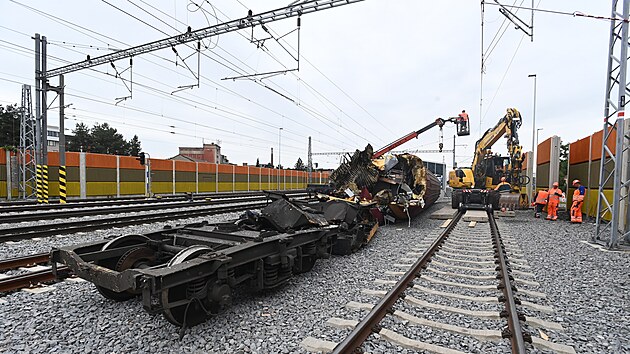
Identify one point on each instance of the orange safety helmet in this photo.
(502, 179)
(556, 184)
(576, 181)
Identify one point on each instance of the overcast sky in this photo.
(370, 72)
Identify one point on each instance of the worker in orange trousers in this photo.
(578, 200)
(540, 202)
(555, 194)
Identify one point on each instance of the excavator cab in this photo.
(463, 126)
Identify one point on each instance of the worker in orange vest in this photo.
(555, 194)
(578, 200)
(540, 202)
(462, 123)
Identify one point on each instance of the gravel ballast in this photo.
(588, 289)
(74, 317)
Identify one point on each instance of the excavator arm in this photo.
(507, 126)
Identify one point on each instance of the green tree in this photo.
(299, 165)
(257, 162)
(108, 140)
(9, 126)
(564, 163)
(133, 146)
(81, 140)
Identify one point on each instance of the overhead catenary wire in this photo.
(72, 25)
(337, 86)
(313, 112)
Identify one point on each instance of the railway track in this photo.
(28, 278)
(34, 278)
(23, 206)
(64, 214)
(470, 267)
(66, 227)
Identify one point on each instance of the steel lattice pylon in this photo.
(26, 151)
(613, 218)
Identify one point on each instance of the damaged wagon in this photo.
(188, 273)
(399, 184)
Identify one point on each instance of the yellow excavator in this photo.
(488, 168)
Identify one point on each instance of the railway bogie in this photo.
(189, 273)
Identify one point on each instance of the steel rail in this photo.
(27, 280)
(29, 205)
(24, 261)
(129, 209)
(370, 323)
(23, 233)
(515, 331)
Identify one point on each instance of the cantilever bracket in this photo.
(260, 44)
(197, 75)
(520, 24)
(119, 76)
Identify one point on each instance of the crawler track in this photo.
(456, 253)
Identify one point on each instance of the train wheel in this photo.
(186, 304)
(112, 263)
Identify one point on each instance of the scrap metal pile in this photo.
(188, 273)
(400, 185)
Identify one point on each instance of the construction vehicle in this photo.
(488, 168)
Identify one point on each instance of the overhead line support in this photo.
(191, 36)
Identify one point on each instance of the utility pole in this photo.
(38, 118)
(614, 163)
(62, 142)
(309, 166)
(27, 149)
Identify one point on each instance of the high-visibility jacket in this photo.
(541, 197)
(555, 194)
(463, 116)
(579, 193)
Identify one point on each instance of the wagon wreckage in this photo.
(399, 185)
(190, 272)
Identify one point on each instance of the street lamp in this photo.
(537, 130)
(534, 117)
(532, 187)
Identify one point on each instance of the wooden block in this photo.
(472, 224)
(445, 224)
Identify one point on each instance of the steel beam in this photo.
(612, 222)
(250, 20)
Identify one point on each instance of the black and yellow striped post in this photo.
(62, 184)
(45, 183)
(38, 183)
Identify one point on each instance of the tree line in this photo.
(99, 139)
